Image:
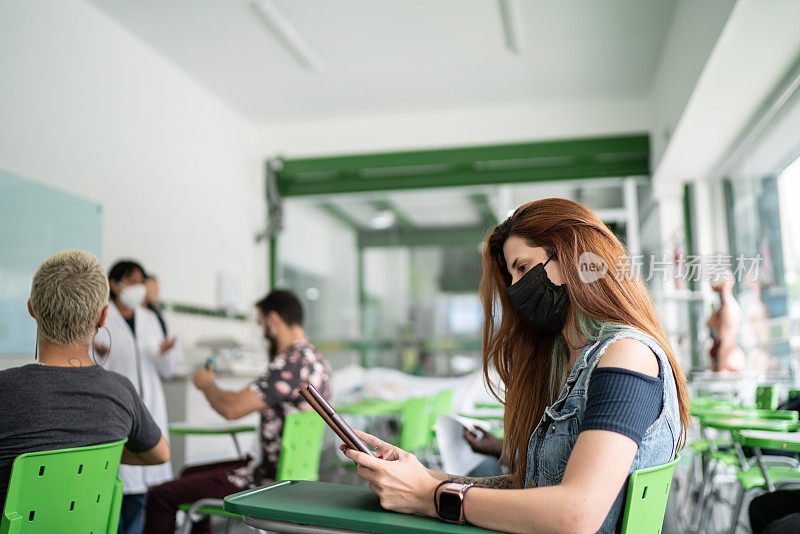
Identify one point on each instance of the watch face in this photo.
(449, 506)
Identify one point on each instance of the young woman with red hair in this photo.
(592, 390)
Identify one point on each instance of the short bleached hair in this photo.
(68, 292)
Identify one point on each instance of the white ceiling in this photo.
(400, 56)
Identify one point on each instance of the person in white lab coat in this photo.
(139, 351)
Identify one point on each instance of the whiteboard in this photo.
(35, 222)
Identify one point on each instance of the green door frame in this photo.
(565, 159)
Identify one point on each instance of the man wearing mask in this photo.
(293, 362)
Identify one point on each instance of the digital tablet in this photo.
(334, 420)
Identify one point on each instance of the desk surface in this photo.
(209, 428)
(745, 423)
(333, 505)
(788, 415)
(785, 441)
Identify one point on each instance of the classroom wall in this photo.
(315, 243)
(87, 107)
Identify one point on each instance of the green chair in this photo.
(301, 445)
(66, 490)
(767, 397)
(415, 424)
(442, 405)
(646, 502)
(765, 472)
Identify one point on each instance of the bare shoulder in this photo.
(630, 354)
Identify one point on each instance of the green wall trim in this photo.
(496, 164)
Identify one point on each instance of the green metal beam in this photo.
(633, 166)
(566, 148)
(273, 262)
(400, 218)
(422, 237)
(340, 215)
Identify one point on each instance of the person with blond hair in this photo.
(65, 398)
(592, 388)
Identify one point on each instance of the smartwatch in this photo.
(451, 503)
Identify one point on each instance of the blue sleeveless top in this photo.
(551, 442)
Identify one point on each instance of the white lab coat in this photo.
(145, 377)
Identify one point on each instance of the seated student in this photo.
(293, 361)
(592, 388)
(775, 512)
(487, 444)
(65, 399)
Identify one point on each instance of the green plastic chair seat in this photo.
(209, 510)
(752, 478)
(646, 500)
(66, 490)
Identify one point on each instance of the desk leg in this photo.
(236, 444)
(292, 528)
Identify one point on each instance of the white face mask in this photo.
(132, 296)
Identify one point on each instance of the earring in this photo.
(94, 353)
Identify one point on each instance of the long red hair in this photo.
(526, 360)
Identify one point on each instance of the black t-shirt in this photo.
(46, 408)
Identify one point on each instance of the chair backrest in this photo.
(415, 425)
(301, 445)
(67, 490)
(646, 502)
(767, 397)
(442, 405)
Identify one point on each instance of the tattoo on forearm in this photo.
(499, 482)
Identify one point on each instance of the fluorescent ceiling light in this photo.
(382, 220)
(512, 24)
(288, 34)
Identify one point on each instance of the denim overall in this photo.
(551, 443)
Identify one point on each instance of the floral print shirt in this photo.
(279, 388)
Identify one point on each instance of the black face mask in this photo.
(538, 301)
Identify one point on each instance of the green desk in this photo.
(747, 423)
(485, 415)
(761, 439)
(787, 415)
(212, 429)
(372, 407)
(302, 507)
